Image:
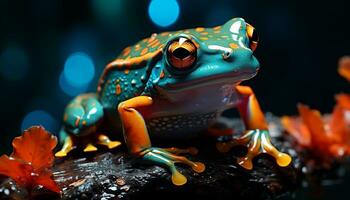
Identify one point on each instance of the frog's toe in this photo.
(104, 140)
(61, 154)
(90, 148)
(198, 167)
(258, 141)
(113, 144)
(165, 158)
(282, 159)
(245, 162)
(178, 179)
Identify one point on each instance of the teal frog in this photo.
(174, 85)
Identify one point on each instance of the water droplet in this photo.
(143, 78)
(133, 82)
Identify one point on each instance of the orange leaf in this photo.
(35, 147)
(343, 100)
(297, 129)
(45, 179)
(19, 171)
(339, 129)
(344, 67)
(313, 120)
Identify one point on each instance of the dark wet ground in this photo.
(116, 175)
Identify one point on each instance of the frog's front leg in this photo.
(139, 144)
(257, 137)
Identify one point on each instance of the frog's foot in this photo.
(166, 158)
(104, 140)
(90, 148)
(257, 141)
(67, 147)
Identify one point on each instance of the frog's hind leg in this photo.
(81, 119)
(139, 144)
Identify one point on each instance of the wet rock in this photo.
(116, 175)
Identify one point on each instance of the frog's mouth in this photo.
(220, 79)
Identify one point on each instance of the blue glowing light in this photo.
(13, 63)
(108, 10)
(79, 69)
(164, 12)
(69, 89)
(42, 118)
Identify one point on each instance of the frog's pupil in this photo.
(181, 53)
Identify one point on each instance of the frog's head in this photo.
(209, 56)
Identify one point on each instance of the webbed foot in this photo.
(257, 142)
(167, 157)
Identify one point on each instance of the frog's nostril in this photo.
(226, 55)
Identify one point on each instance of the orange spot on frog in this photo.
(165, 34)
(233, 45)
(118, 89)
(216, 28)
(126, 71)
(162, 74)
(77, 121)
(126, 51)
(152, 38)
(65, 117)
(144, 51)
(155, 44)
(199, 29)
(137, 47)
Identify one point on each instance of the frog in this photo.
(175, 85)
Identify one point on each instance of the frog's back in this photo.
(126, 76)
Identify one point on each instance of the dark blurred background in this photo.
(53, 50)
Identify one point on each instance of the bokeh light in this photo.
(79, 69)
(107, 11)
(42, 118)
(79, 39)
(13, 63)
(163, 12)
(69, 89)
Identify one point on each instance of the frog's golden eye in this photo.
(253, 37)
(182, 53)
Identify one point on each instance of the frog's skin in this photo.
(173, 85)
